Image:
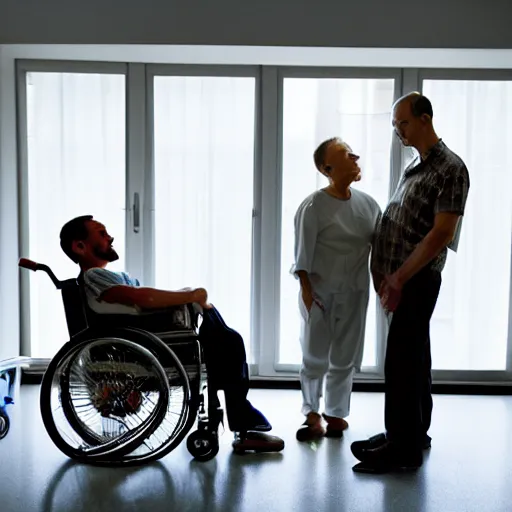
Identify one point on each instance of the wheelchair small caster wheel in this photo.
(203, 445)
(4, 424)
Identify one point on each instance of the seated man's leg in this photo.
(226, 362)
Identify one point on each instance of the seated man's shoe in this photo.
(335, 426)
(311, 429)
(257, 442)
(389, 457)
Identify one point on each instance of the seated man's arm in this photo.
(152, 298)
(105, 286)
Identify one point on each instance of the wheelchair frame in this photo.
(86, 328)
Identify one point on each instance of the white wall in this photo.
(315, 23)
(9, 296)
(355, 57)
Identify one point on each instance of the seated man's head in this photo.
(86, 242)
(336, 160)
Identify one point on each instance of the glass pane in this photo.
(204, 165)
(358, 111)
(469, 329)
(76, 166)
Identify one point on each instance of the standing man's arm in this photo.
(445, 225)
(448, 209)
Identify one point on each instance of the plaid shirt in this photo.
(439, 183)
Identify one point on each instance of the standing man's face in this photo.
(405, 124)
(409, 128)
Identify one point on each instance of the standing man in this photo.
(334, 228)
(419, 224)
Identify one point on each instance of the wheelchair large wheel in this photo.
(4, 424)
(115, 398)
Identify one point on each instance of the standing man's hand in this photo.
(390, 292)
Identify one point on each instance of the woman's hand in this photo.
(307, 298)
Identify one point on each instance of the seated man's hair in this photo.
(75, 229)
(319, 154)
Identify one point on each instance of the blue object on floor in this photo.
(10, 378)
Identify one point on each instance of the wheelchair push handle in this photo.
(26, 263)
(32, 265)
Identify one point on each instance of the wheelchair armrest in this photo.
(163, 312)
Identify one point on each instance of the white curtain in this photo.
(358, 111)
(204, 174)
(76, 166)
(470, 324)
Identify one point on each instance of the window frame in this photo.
(415, 81)
(267, 184)
(199, 70)
(22, 68)
(273, 83)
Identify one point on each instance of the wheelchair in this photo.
(127, 389)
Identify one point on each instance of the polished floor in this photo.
(469, 468)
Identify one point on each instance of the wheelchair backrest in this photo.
(79, 315)
(74, 306)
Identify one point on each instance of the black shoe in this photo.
(389, 457)
(359, 447)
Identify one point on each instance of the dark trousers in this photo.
(226, 363)
(408, 398)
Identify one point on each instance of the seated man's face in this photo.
(98, 245)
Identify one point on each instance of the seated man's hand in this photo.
(200, 296)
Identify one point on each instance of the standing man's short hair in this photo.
(75, 229)
(420, 104)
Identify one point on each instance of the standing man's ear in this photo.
(327, 168)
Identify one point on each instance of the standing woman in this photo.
(334, 229)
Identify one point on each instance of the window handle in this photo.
(136, 212)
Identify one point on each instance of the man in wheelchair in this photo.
(86, 242)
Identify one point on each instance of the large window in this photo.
(470, 324)
(75, 145)
(204, 173)
(198, 171)
(358, 111)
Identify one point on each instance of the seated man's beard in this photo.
(109, 255)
